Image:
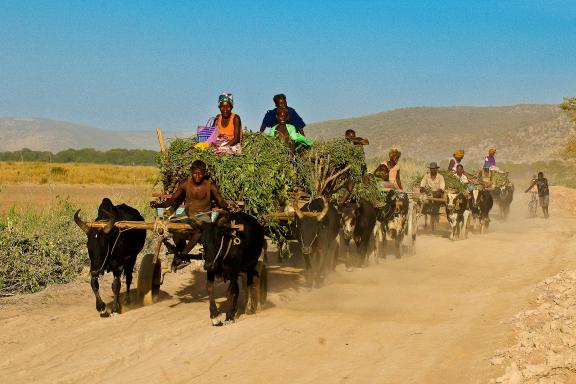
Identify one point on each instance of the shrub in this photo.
(39, 249)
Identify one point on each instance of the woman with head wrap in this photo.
(228, 127)
(455, 160)
(490, 159)
(389, 171)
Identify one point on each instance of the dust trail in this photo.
(435, 317)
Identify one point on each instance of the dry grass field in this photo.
(75, 173)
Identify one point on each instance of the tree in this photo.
(569, 106)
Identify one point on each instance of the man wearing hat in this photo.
(433, 182)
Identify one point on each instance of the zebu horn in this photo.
(109, 226)
(297, 210)
(80, 223)
(324, 211)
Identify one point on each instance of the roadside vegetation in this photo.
(569, 106)
(39, 248)
(44, 247)
(71, 173)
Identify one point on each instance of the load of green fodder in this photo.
(39, 248)
(499, 179)
(328, 166)
(452, 181)
(260, 176)
(370, 191)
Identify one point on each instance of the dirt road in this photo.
(435, 317)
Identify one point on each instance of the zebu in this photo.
(480, 204)
(358, 222)
(112, 250)
(504, 196)
(233, 245)
(317, 227)
(457, 214)
(397, 221)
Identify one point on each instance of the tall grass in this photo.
(43, 247)
(39, 248)
(72, 173)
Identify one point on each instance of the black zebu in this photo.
(317, 228)
(480, 204)
(457, 215)
(233, 244)
(358, 221)
(113, 250)
(394, 219)
(504, 195)
(431, 207)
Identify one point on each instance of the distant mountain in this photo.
(522, 133)
(51, 135)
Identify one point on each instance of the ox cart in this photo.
(151, 273)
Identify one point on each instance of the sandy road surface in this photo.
(435, 317)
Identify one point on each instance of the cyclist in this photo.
(541, 184)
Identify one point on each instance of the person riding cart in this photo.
(389, 171)
(227, 137)
(294, 140)
(455, 160)
(197, 192)
(433, 183)
(486, 176)
(350, 135)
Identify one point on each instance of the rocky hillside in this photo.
(522, 133)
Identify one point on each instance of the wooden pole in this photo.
(162, 146)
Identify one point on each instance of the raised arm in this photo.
(381, 171)
(530, 187)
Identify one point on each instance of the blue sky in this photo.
(146, 64)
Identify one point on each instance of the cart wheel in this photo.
(149, 279)
(263, 285)
(157, 280)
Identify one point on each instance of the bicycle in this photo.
(533, 204)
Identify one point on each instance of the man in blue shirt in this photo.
(270, 117)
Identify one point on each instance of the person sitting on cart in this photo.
(228, 133)
(197, 192)
(486, 176)
(491, 159)
(270, 119)
(455, 160)
(433, 182)
(294, 140)
(389, 171)
(461, 175)
(350, 135)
